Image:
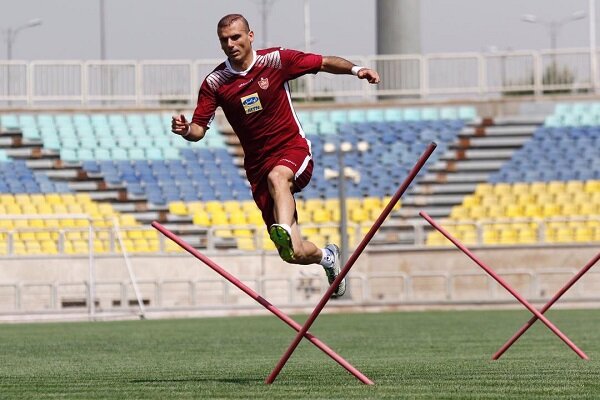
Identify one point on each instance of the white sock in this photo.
(328, 258)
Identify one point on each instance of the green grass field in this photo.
(408, 355)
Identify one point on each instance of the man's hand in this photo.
(370, 75)
(179, 125)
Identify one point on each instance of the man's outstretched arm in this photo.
(189, 131)
(339, 65)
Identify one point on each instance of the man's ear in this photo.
(251, 36)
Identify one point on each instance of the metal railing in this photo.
(164, 83)
(423, 288)
(414, 234)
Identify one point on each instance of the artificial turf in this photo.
(442, 354)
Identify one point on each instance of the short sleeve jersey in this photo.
(258, 105)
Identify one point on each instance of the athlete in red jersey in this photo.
(252, 89)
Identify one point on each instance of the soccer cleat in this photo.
(333, 271)
(283, 241)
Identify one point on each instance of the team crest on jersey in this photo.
(263, 83)
(251, 103)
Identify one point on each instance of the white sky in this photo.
(186, 29)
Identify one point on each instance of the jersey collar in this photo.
(241, 73)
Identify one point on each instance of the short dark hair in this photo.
(230, 18)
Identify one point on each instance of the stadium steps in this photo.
(48, 161)
(478, 152)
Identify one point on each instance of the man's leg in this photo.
(286, 232)
(281, 182)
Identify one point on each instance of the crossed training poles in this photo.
(303, 330)
(536, 314)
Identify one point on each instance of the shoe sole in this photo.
(283, 242)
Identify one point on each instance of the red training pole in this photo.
(263, 302)
(505, 285)
(554, 299)
(411, 176)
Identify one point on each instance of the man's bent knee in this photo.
(279, 178)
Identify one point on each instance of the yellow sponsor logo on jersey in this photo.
(251, 103)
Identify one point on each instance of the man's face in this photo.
(236, 42)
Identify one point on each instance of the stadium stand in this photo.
(131, 161)
(549, 190)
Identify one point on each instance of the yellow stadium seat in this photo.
(26, 236)
(556, 187)
(21, 223)
(483, 189)
(22, 199)
(588, 209)
(150, 234)
(68, 198)
(83, 198)
(219, 218)
(75, 208)
(231, 206)
(201, 218)
(564, 234)
(471, 201)
(267, 243)
(59, 208)
(538, 187)
(328, 231)
(249, 205)
(178, 208)
(37, 223)
(13, 209)
(370, 203)
(525, 198)
(550, 210)
(359, 215)
(254, 217)
(520, 188)
(514, 210)
(49, 247)
(6, 199)
(44, 208)
(490, 235)
(592, 186)
(508, 236)
(574, 187)
(563, 198)
(527, 236)
(569, 209)
(314, 204)
(127, 220)
(237, 218)
(243, 233)
(246, 243)
(502, 188)
(320, 215)
(172, 247)
(194, 206)
(28, 208)
(489, 200)
(106, 209)
(532, 211)
(37, 198)
(53, 198)
(214, 207)
(135, 234)
(153, 245)
(477, 212)
(459, 213)
(495, 211)
(309, 231)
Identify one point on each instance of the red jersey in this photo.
(258, 105)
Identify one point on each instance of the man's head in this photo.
(236, 40)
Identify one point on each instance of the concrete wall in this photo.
(395, 276)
